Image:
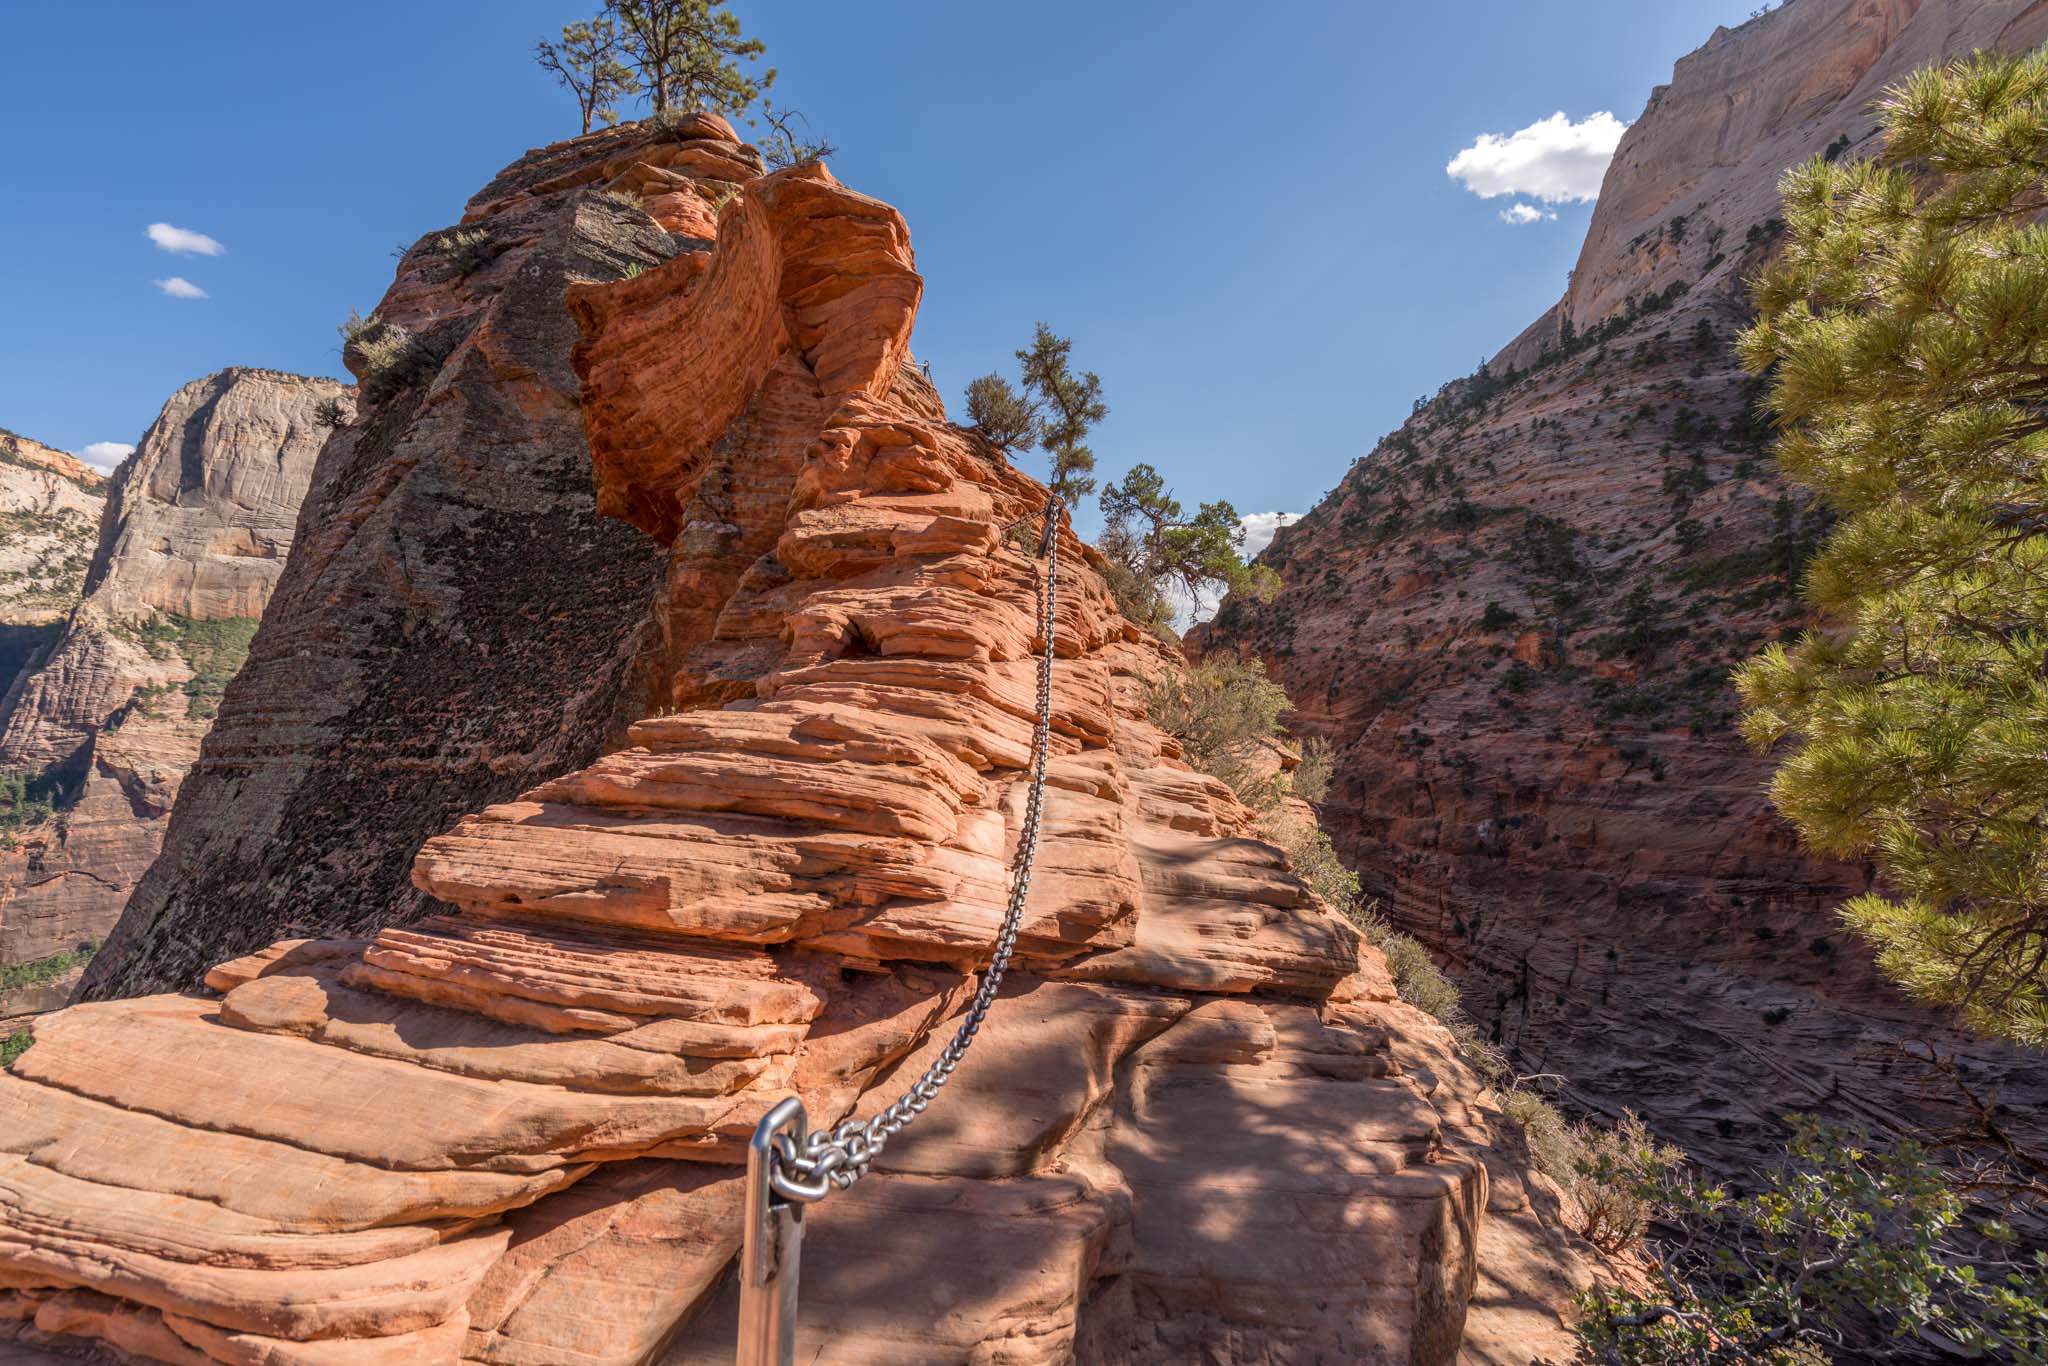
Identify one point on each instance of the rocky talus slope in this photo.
(1515, 621)
(1197, 1125)
(104, 719)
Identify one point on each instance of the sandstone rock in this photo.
(1561, 812)
(106, 719)
(1185, 1130)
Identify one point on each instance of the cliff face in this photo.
(1515, 621)
(103, 721)
(456, 621)
(49, 515)
(508, 1133)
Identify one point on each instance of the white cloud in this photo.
(1260, 526)
(104, 455)
(1521, 212)
(1553, 160)
(178, 287)
(183, 240)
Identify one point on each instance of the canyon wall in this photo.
(1197, 1124)
(50, 506)
(103, 720)
(1515, 621)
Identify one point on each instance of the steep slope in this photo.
(1197, 1124)
(1515, 621)
(101, 724)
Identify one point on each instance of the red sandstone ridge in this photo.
(107, 715)
(1197, 1124)
(1515, 621)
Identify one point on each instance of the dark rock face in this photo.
(456, 622)
(1515, 622)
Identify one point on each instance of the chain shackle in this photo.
(809, 1169)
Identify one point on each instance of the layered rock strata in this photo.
(1516, 618)
(103, 721)
(1197, 1124)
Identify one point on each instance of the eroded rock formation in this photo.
(1515, 621)
(1197, 1123)
(105, 719)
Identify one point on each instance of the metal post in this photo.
(771, 1247)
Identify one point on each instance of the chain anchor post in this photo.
(771, 1246)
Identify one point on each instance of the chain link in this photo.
(840, 1156)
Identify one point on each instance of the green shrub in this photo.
(383, 356)
(1497, 618)
(1314, 860)
(16, 975)
(465, 249)
(14, 1045)
(1310, 780)
(22, 806)
(1843, 1245)
(1224, 712)
(1606, 1174)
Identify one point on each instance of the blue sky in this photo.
(1241, 216)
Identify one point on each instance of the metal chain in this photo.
(840, 1156)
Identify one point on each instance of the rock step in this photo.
(333, 1101)
(665, 1058)
(615, 973)
(721, 876)
(285, 1188)
(871, 798)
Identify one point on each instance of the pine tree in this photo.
(1154, 548)
(1905, 332)
(1071, 405)
(688, 53)
(1057, 409)
(586, 63)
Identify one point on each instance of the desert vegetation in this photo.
(213, 649)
